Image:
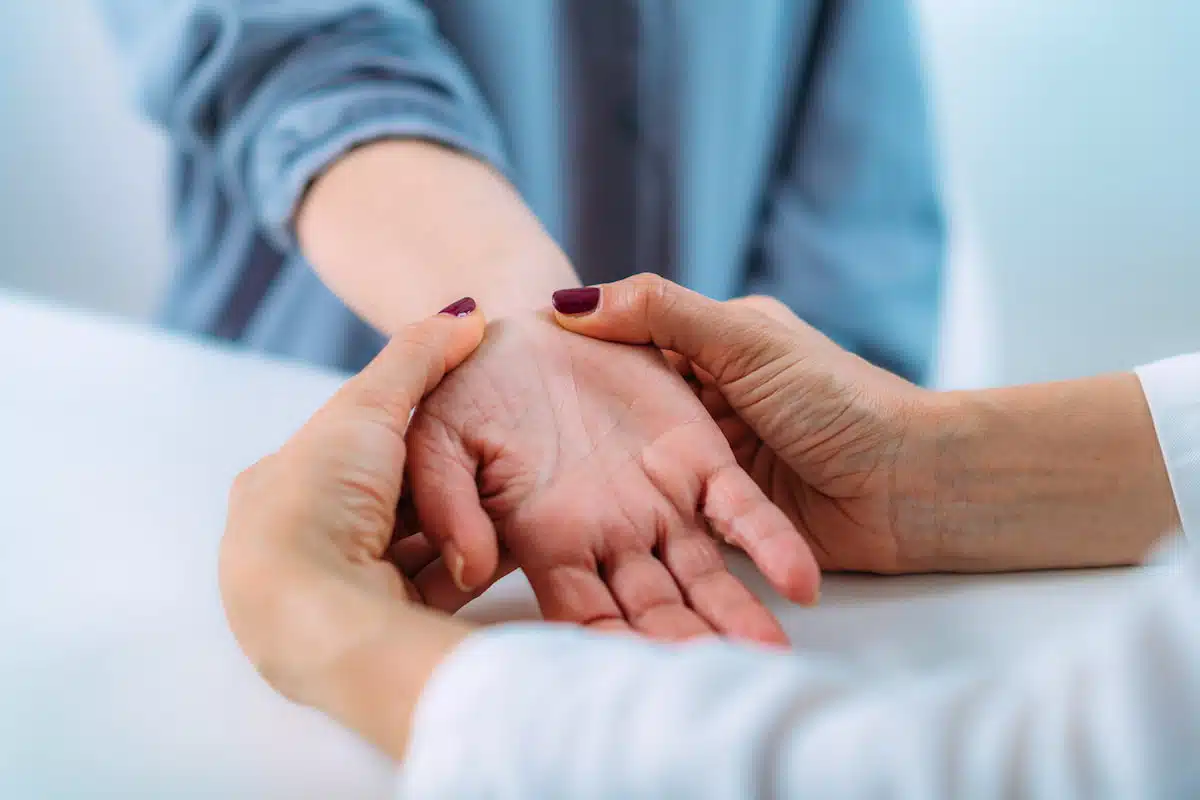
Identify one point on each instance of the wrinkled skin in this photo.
(840, 424)
(597, 471)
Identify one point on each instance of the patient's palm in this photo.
(602, 475)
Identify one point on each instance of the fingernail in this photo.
(457, 564)
(577, 301)
(460, 308)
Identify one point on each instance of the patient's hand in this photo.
(602, 474)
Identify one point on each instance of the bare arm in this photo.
(1053, 474)
(356, 127)
(401, 228)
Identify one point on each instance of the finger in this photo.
(714, 593)
(437, 589)
(679, 363)
(728, 342)
(714, 402)
(407, 522)
(446, 497)
(741, 514)
(650, 599)
(412, 554)
(575, 593)
(771, 307)
(413, 362)
(612, 626)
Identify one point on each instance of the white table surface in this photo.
(117, 673)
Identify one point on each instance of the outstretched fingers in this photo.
(742, 515)
(722, 600)
(651, 600)
(575, 593)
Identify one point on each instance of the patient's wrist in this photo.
(399, 229)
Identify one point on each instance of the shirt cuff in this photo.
(1172, 389)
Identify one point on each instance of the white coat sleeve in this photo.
(542, 711)
(1172, 390)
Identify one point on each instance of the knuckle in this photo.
(652, 296)
(648, 288)
(647, 280)
(421, 348)
(244, 482)
(771, 306)
(392, 407)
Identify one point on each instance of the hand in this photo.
(324, 590)
(818, 428)
(882, 476)
(602, 475)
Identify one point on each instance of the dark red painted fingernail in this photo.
(460, 308)
(577, 301)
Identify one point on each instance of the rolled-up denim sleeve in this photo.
(853, 235)
(273, 92)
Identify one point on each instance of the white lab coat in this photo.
(541, 711)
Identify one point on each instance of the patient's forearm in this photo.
(399, 229)
(1051, 475)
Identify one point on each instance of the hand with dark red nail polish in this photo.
(460, 308)
(595, 468)
(576, 301)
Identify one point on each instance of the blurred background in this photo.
(1070, 136)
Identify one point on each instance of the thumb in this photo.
(727, 341)
(351, 453)
(412, 363)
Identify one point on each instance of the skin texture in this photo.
(331, 598)
(844, 424)
(882, 476)
(398, 228)
(342, 607)
(601, 476)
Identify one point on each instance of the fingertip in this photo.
(791, 570)
(462, 307)
(766, 631)
(456, 565)
(463, 314)
(803, 583)
(576, 302)
(472, 563)
(743, 516)
(463, 324)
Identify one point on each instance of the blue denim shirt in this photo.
(779, 146)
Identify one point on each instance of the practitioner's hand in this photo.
(818, 428)
(883, 476)
(325, 590)
(602, 475)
